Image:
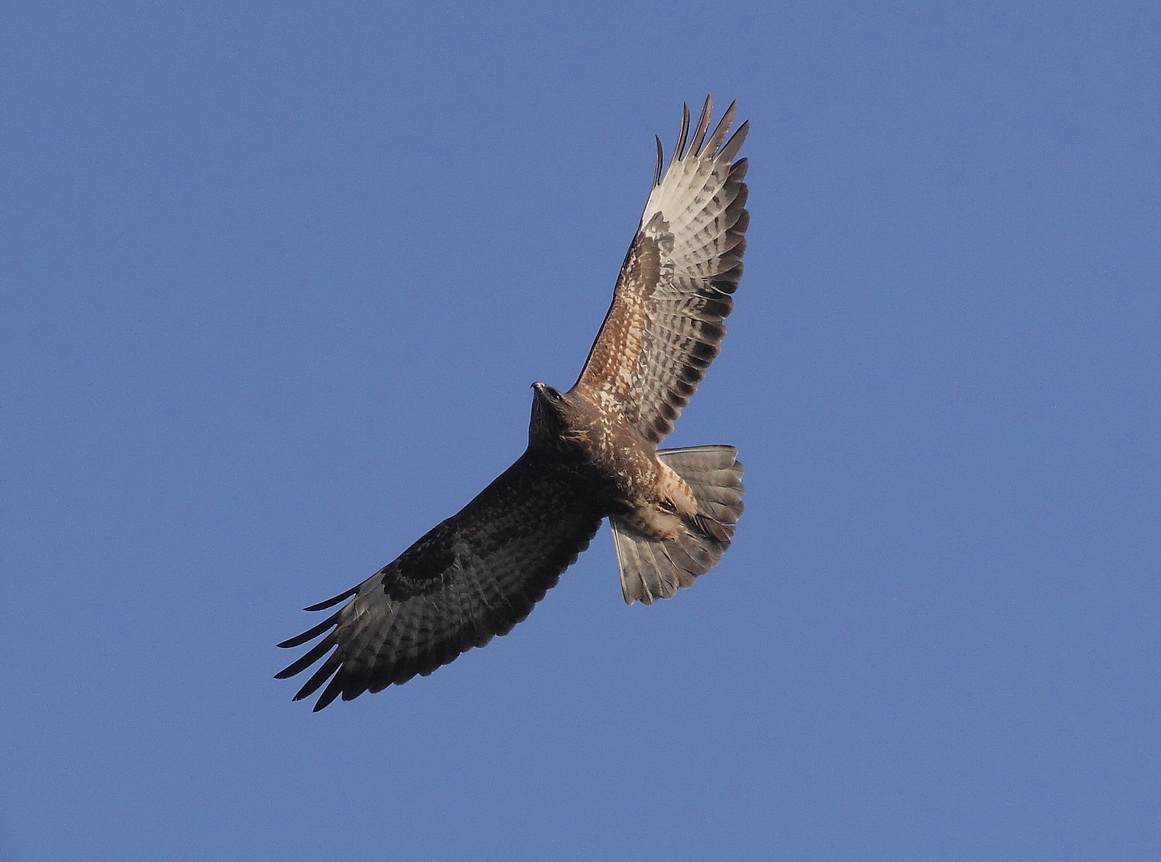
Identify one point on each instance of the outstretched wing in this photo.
(665, 324)
(474, 576)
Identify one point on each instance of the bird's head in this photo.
(547, 393)
(550, 411)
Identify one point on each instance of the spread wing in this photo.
(665, 324)
(472, 577)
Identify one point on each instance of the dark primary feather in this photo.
(664, 327)
(472, 577)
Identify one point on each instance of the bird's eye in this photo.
(668, 506)
(554, 395)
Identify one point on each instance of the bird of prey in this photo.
(592, 454)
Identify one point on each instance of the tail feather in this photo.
(656, 569)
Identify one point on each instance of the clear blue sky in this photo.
(274, 281)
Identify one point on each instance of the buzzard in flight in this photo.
(592, 454)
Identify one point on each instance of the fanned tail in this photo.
(657, 568)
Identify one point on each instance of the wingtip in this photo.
(682, 135)
(331, 602)
(730, 149)
(703, 122)
(693, 141)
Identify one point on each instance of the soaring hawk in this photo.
(592, 454)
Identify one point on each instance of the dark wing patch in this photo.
(664, 327)
(472, 577)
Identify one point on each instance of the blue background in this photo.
(275, 281)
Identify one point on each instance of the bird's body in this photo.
(592, 454)
(624, 471)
